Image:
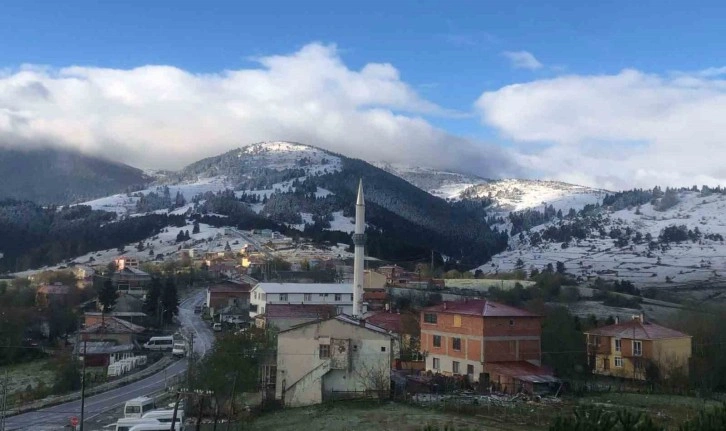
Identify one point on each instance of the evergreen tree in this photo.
(151, 303)
(169, 300)
(186, 236)
(196, 227)
(180, 236)
(107, 296)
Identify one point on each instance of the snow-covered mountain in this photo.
(507, 194)
(678, 247)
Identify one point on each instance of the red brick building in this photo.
(485, 341)
(222, 294)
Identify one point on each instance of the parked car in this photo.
(217, 327)
(197, 309)
(180, 349)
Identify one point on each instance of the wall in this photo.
(261, 299)
(301, 370)
(672, 353)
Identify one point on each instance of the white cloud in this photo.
(619, 131)
(522, 60)
(162, 116)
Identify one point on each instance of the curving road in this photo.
(57, 417)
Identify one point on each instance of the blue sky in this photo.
(449, 53)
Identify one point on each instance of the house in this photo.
(220, 294)
(330, 359)
(376, 299)
(626, 349)
(403, 325)
(83, 273)
(53, 294)
(467, 337)
(130, 280)
(391, 271)
(340, 295)
(124, 262)
(94, 317)
(373, 280)
(102, 353)
(113, 329)
(285, 316)
(235, 312)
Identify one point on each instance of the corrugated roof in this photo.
(102, 347)
(314, 311)
(375, 296)
(390, 321)
(345, 319)
(522, 370)
(305, 288)
(479, 307)
(634, 329)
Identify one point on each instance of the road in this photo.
(56, 417)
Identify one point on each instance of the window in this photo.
(308, 297)
(324, 351)
(338, 296)
(430, 318)
(456, 343)
(637, 348)
(457, 321)
(437, 364)
(283, 297)
(383, 348)
(511, 322)
(617, 344)
(470, 370)
(618, 362)
(606, 364)
(351, 296)
(455, 367)
(437, 340)
(320, 295)
(638, 364)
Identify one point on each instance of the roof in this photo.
(344, 319)
(635, 329)
(375, 296)
(54, 289)
(522, 370)
(305, 287)
(315, 311)
(102, 347)
(135, 271)
(128, 303)
(113, 325)
(390, 321)
(479, 307)
(117, 313)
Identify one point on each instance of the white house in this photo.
(340, 295)
(341, 357)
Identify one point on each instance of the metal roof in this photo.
(281, 311)
(522, 370)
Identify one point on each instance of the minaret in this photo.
(359, 240)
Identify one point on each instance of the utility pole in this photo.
(231, 403)
(83, 384)
(3, 403)
(190, 360)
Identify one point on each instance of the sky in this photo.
(615, 94)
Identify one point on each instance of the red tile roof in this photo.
(375, 296)
(230, 287)
(283, 311)
(479, 307)
(113, 325)
(390, 321)
(634, 329)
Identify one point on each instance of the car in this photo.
(217, 327)
(179, 349)
(197, 309)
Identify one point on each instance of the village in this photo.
(298, 326)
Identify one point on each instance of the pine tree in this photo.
(151, 303)
(180, 236)
(186, 236)
(107, 296)
(195, 229)
(169, 300)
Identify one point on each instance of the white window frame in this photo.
(618, 362)
(308, 297)
(618, 345)
(338, 297)
(436, 363)
(456, 367)
(639, 352)
(283, 297)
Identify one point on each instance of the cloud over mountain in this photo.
(621, 130)
(163, 116)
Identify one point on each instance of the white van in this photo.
(160, 343)
(180, 349)
(165, 415)
(156, 427)
(137, 407)
(125, 424)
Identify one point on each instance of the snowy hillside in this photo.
(632, 244)
(446, 185)
(517, 195)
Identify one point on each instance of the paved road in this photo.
(56, 417)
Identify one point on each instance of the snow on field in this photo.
(342, 223)
(702, 262)
(290, 155)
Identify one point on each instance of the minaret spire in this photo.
(359, 242)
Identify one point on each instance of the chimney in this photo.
(617, 320)
(388, 307)
(444, 305)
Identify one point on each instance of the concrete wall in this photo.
(356, 354)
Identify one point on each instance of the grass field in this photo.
(27, 374)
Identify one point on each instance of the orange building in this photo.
(486, 341)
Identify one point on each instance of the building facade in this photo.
(339, 295)
(338, 357)
(463, 337)
(627, 349)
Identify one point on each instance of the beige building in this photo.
(626, 349)
(341, 357)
